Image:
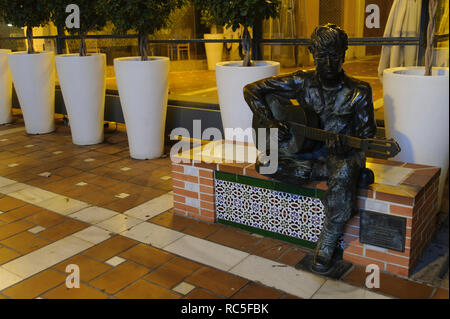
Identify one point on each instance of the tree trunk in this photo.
(143, 46)
(246, 47)
(30, 40)
(432, 6)
(83, 48)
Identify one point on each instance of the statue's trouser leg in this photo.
(339, 203)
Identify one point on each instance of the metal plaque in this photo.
(382, 230)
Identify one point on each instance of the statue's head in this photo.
(328, 46)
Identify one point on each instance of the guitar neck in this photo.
(322, 136)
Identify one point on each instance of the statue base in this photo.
(339, 268)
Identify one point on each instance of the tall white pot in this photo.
(83, 82)
(416, 110)
(214, 51)
(34, 80)
(5, 88)
(143, 89)
(231, 77)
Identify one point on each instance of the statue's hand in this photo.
(283, 131)
(337, 145)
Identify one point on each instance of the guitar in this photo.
(305, 131)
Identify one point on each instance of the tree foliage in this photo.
(236, 13)
(141, 16)
(26, 13)
(92, 17)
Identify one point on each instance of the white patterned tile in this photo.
(63, 205)
(7, 278)
(33, 195)
(13, 187)
(206, 252)
(47, 256)
(272, 274)
(151, 208)
(115, 261)
(93, 214)
(152, 234)
(6, 181)
(119, 223)
(338, 290)
(93, 235)
(122, 195)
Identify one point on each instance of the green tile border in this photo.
(267, 233)
(269, 184)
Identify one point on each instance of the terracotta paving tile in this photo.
(78, 191)
(58, 187)
(99, 198)
(164, 186)
(441, 294)
(112, 173)
(110, 248)
(25, 242)
(9, 230)
(132, 189)
(9, 203)
(234, 238)
(36, 285)
(46, 218)
(357, 276)
(144, 180)
(19, 213)
(62, 230)
(7, 254)
(288, 296)
(402, 288)
(21, 176)
(220, 282)
(257, 291)
(102, 181)
(89, 268)
(269, 248)
(199, 293)
(84, 292)
(119, 277)
(41, 180)
(201, 229)
(66, 171)
(145, 290)
(173, 272)
(293, 256)
(172, 221)
(110, 149)
(123, 204)
(146, 255)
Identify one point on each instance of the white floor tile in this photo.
(115, 261)
(270, 273)
(47, 256)
(63, 205)
(36, 229)
(206, 252)
(7, 278)
(6, 181)
(93, 214)
(13, 187)
(183, 288)
(152, 234)
(152, 208)
(338, 290)
(33, 195)
(93, 234)
(119, 223)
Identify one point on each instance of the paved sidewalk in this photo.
(94, 207)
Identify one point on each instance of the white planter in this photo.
(34, 80)
(416, 110)
(231, 77)
(143, 89)
(213, 50)
(5, 88)
(83, 82)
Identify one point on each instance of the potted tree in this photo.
(82, 76)
(232, 76)
(33, 73)
(214, 51)
(143, 81)
(416, 109)
(5, 88)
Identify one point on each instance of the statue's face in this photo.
(329, 64)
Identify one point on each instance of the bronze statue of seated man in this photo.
(341, 104)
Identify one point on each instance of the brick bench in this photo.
(217, 189)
